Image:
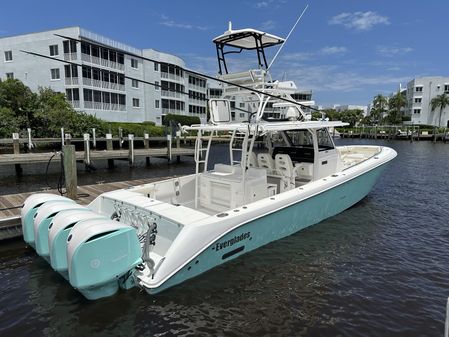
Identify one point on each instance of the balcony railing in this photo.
(71, 81)
(100, 61)
(171, 76)
(168, 93)
(198, 101)
(75, 104)
(70, 56)
(99, 84)
(197, 87)
(173, 111)
(100, 105)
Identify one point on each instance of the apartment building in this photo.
(420, 92)
(106, 78)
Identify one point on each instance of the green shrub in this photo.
(137, 129)
(181, 119)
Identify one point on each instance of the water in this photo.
(380, 268)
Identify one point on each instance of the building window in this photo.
(416, 111)
(242, 105)
(418, 99)
(54, 50)
(10, 76)
(157, 85)
(156, 104)
(55, 74)
(156, 66)
(134, 63)
(418, 89)
(8, 56)
(446, 88)
(135, 83)
(136, 103)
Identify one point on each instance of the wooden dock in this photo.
(10, 226)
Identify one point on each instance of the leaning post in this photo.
(71, 180)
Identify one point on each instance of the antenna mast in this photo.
(291, 31)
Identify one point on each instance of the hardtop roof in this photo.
(246, 38)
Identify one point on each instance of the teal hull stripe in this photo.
(277, 225)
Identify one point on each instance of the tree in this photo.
(380, 104)
(8, 122)
(17, 97)
(395, 105)
(352, 116)
(440, 101)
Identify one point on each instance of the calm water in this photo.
(380, 268)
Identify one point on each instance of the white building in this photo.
(420, 92)
(105, 80)
(345, 107)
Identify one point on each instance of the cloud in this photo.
(268, 25)
(166, 21)
(306, 56)
(269, 3)
(359, 20)
(333, 50)
(393, 51)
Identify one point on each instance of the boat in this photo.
(158, 235)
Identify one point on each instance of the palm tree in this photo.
(440, 101)
(380, 103)
(396, 103)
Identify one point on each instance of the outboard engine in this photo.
(44, 216)
(100, 254)
(29, 209)
(59, 230)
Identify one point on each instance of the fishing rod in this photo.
(198, 74)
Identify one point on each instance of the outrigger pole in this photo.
(196, 73)
(127, 77)
(285, 41)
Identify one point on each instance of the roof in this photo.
(267, 126)
(245, 38)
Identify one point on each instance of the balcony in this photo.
(197, 87)
(71, 81)
(167, 93)
(75, 104)
(100, 106)
(196, 101)
(100, 61)
(166, 111)
(172, 77)
(88, 82)
(70, 56)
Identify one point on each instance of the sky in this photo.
(345, 51)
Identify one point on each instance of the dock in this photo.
(170, 149)
(10, 226)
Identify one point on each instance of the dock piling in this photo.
(146, 144)
(87, 149)
(16, 149)
(131, 149)
(109, 147)
(169, 147)
(71, 180)
(120, 137)
(94, 139)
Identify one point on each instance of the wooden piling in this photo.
(68, 139)
(109, 147)
(71, 180)
(169, 147)
(120, 137)
(86, 149)
(146, 144)
(131, 150)
(16, 149)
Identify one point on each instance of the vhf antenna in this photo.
(285, 41)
